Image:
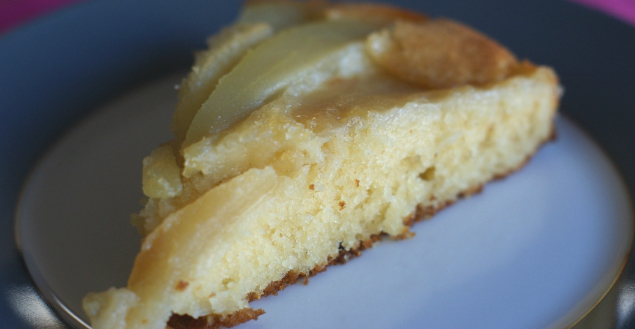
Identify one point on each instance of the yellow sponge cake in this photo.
(305, 133)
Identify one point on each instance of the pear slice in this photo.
(182, 252)
(269, 68)
(225, 50)
(440, 53)
(257, 22)
(281, 14)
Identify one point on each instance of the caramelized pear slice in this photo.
(184, 246)
(257, 22)
(225, 50)
(440, 54)
(269, 68)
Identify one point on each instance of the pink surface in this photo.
(16, 12)
(624, 9)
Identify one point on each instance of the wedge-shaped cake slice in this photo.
(300, 140)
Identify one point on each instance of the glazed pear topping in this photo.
(225, 50)
(281, 14)
(257, 22)
(439, 54)
(269, 69)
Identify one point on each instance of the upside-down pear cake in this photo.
(305, 132)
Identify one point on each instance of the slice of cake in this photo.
(305, 133)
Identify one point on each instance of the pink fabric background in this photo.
(623, 9)
(16, 12)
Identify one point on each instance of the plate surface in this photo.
(56, 70)
(535, 250)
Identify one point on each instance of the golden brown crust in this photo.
(441, 54)
(178, 321)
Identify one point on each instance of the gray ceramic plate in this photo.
(57, 70)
